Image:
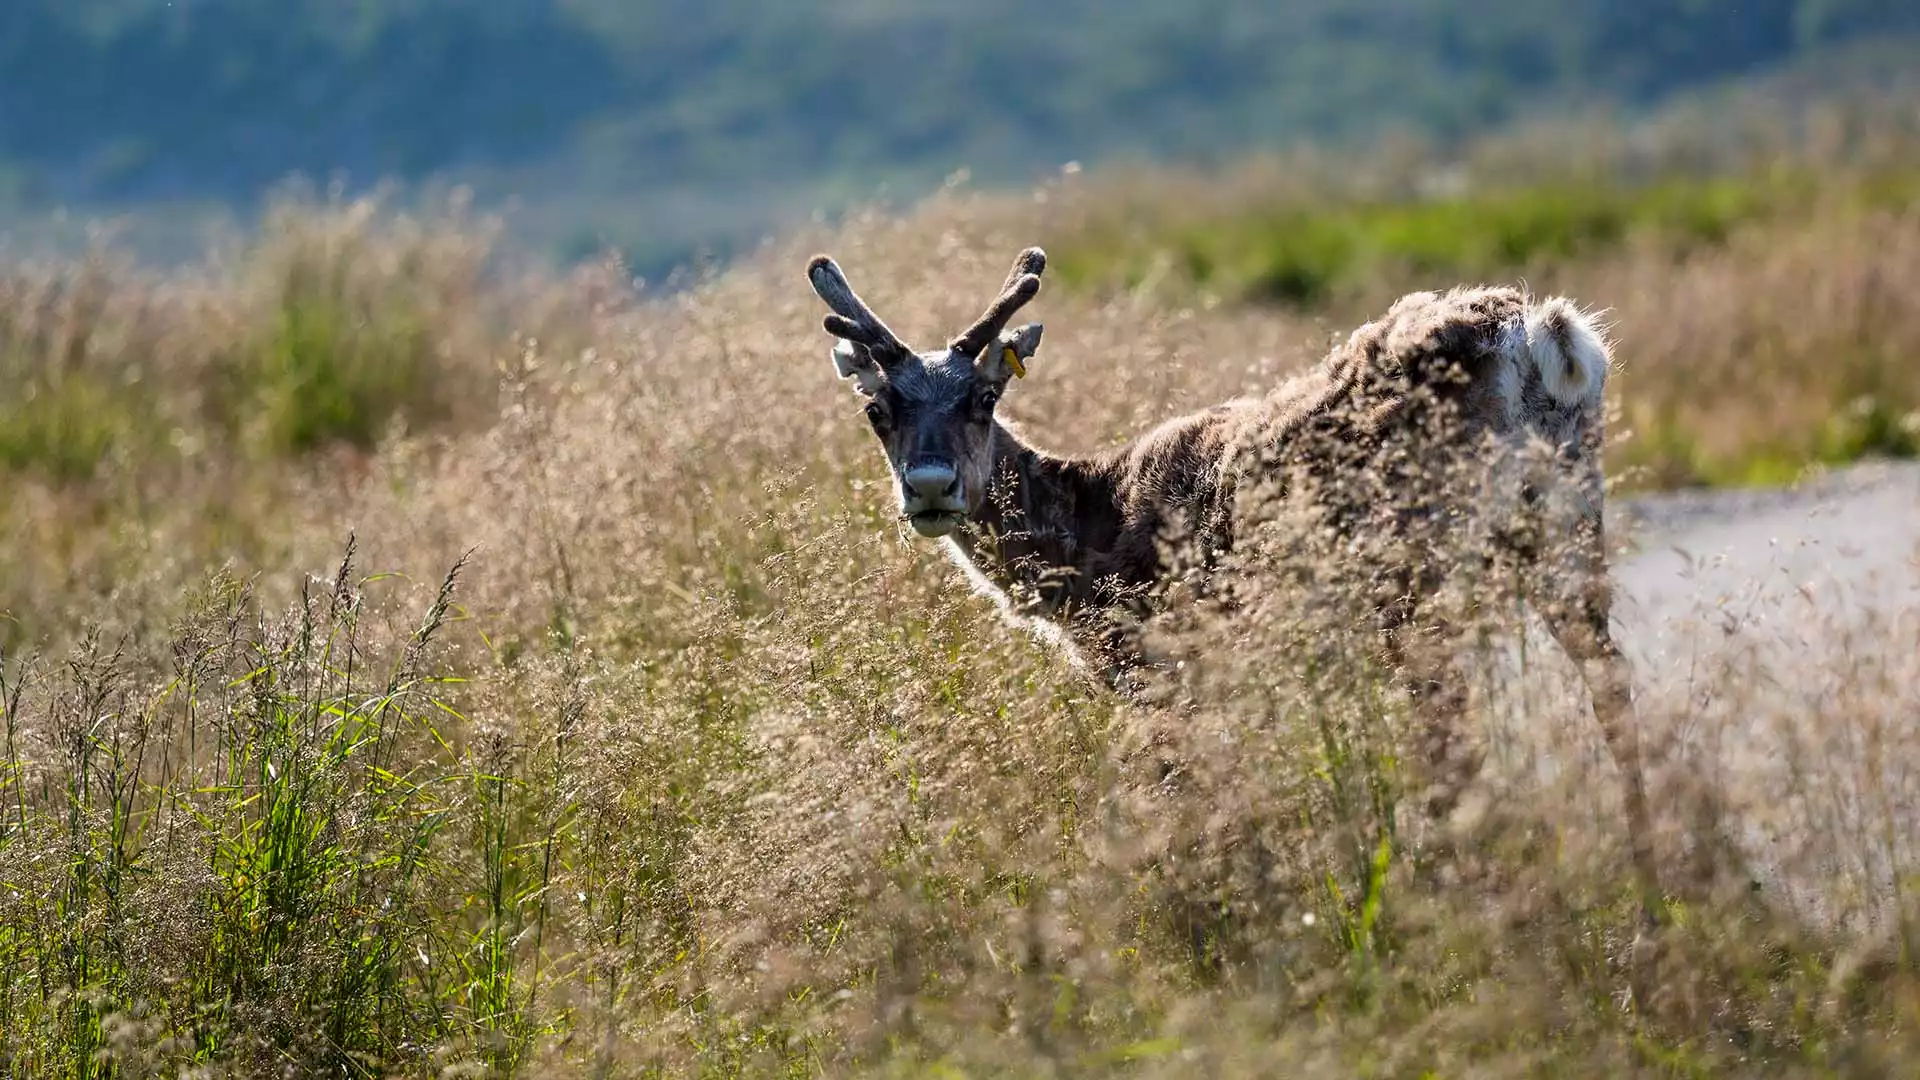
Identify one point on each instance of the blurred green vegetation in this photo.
(331, 365)
(66, 427)
(1665, 452)
(1312, 253)
(328, 327)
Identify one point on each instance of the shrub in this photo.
(358, 322)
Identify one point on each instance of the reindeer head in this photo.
(933, 411)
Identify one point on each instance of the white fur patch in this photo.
(1507, 378)
(1568, 350)
(1042, 628)
(848, 363)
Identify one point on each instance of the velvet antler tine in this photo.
(842, 327)
(831, 283)
(1023, 283)
(832, 286)
(1031, 261)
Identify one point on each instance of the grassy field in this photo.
(421, 663)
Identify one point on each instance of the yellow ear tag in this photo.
(1012, 357)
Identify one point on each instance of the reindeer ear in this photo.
(855, 362)
(1009, 353)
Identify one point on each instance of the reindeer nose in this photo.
(932, 483)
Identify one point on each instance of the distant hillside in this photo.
(713, 111)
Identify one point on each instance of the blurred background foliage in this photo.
(672, 127)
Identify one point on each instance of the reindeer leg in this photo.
(1581, 629)
(1583, 633)
(1609, 682)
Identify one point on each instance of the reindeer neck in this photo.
(1044, 517)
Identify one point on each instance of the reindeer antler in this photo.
(852, 318)
(1023, 283)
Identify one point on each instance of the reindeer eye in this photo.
(984, 403)
(876, 415)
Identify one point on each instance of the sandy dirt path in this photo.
(1776, 636)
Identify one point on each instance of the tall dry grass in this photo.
(630, 736)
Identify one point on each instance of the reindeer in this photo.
(1074, 541)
